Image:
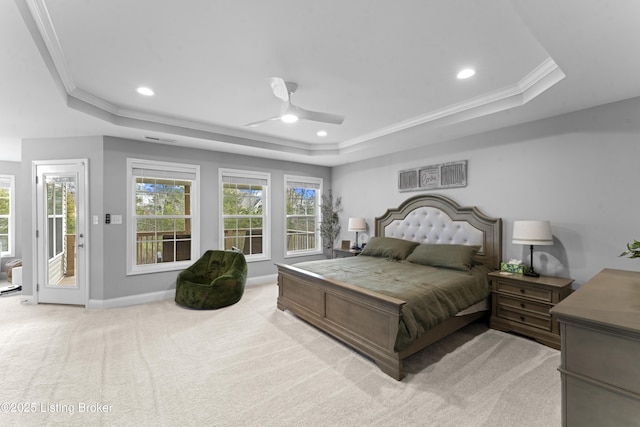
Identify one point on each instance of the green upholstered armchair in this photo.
(216, 280)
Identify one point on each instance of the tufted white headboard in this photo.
(438, 219)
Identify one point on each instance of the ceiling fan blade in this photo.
(279, 88)
(259, 122)
(317, 116)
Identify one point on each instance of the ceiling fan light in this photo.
(289, 118)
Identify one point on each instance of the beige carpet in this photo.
(251, 364)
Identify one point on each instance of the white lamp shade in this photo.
(532, 233)
(357, 224)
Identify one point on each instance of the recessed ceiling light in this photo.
(466, 73)
(145, 91)
(289, 118)
(322, 133)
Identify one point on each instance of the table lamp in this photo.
(357, 225)
(532, 233)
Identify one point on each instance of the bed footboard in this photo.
(365, 320)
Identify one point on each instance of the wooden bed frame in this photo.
(368, 321)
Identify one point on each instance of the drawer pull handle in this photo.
(522, 318)
(522, 305)
(522, 291)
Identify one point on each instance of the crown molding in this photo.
(88, 103)
(538, 80)
(42, 19)
(541, 78)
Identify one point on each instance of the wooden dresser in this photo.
(521, 304)
(600, 365)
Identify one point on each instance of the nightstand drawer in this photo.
(522, 304)
(525, 318)
(524, 290)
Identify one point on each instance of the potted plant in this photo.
(330, 223)
(633, 250)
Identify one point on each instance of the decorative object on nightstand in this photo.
(357, 225)
(521, 304)
(532, 233)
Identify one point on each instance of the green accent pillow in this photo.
(457, 257)
(389, 247)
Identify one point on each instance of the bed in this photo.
(349, 298)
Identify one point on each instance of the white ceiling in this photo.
(72, 67)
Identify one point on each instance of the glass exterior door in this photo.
(61, 236)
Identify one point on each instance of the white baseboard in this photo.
(132, 299)
(262, 280)
(27, 299)
(164, 295)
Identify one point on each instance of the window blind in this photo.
(300, 184)
(166, 174)
(5, 181)
(232, 179)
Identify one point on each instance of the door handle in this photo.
(81, 245)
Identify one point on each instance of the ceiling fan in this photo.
(290, 113)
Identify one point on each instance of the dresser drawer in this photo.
(607, 357)
(587, 404)
(524, 290)
(524, 318)
(522, 304)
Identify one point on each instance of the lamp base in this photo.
(355, 245)
(529, 271)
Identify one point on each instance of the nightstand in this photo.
(345, 253)
(521, 304)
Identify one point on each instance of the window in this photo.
(7, 215)
(245, 210)
(302, 198)
(163, 226)
(60, 213)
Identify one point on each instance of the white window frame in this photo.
(312, 181)
(266, 209)
(52, 223)
(168, 168)
(8, 181)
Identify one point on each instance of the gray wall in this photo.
(116, 152)
(14, 168)
(107, 194)
(579, 171)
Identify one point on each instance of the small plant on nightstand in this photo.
(633, 250)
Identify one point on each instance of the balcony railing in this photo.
(154, 248)
(300, 240)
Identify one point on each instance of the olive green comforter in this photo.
(432, 294)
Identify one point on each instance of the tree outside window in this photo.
(163, 220)
(244, 212)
